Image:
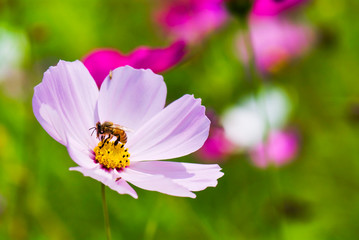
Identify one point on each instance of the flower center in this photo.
(112, 156)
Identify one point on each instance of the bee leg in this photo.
(104, 141)
(118, 140)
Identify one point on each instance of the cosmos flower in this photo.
(256, 126)
(246, 124)
(216, 148)
(67, 103)
(191, 20)
(280, 148)
(99, 62)
(273, 7)
(14, 47)
(14, 51)
(275, 42)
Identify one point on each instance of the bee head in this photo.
(99, 128)
(94, 129)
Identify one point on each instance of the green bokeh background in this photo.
(315, 197)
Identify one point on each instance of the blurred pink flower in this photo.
(191, 20)
(273, 7)
(280, 148)
(67, 103)
(101, 61)
(275, 42)
(217, 147)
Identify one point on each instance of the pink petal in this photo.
(49, 120)
(275, 42)
(280, 148)
(158, 60)
(194, 177)
(64, 102)
(131, 97)
(216, 148)
(157, 183)
(81, 154)
(259, 156)
(271, 7)
(179, 129)
(191, 20)
(110, 179)
(101, 61)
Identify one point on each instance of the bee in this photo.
(107, 130)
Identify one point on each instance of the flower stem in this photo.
(253, 76)
(105, 212)
(257, 83)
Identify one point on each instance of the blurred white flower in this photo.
(14, 47)
(276, 104)
(246, 124)
(243, 126)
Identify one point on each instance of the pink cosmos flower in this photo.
(101, 61)
(273, 7)
(67, 103)
(275, 42)
(280, 148)
(216, 148)
(191, 20)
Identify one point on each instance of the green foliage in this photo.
(315, 197)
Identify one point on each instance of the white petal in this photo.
(179, 129)
(81, 154)
(194, 177)
(110, 179)
(276, 105)
(64, 102)
(244, 126)
(155, 183)
(131, 97)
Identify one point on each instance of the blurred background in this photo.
(278, 79)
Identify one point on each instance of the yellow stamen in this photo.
(111, 156)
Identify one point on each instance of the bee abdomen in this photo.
(124, 138)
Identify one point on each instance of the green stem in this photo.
(275, 194)
(256, 83)
(105, 212)
(252, 75)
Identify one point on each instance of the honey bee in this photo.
(108, 130)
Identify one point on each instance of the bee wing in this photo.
(122, 127)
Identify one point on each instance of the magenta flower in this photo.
(191, 20)
(67, 103)
(216, 148)
(273, 7)
(101, 61)
(280, 148)
(275, 42)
